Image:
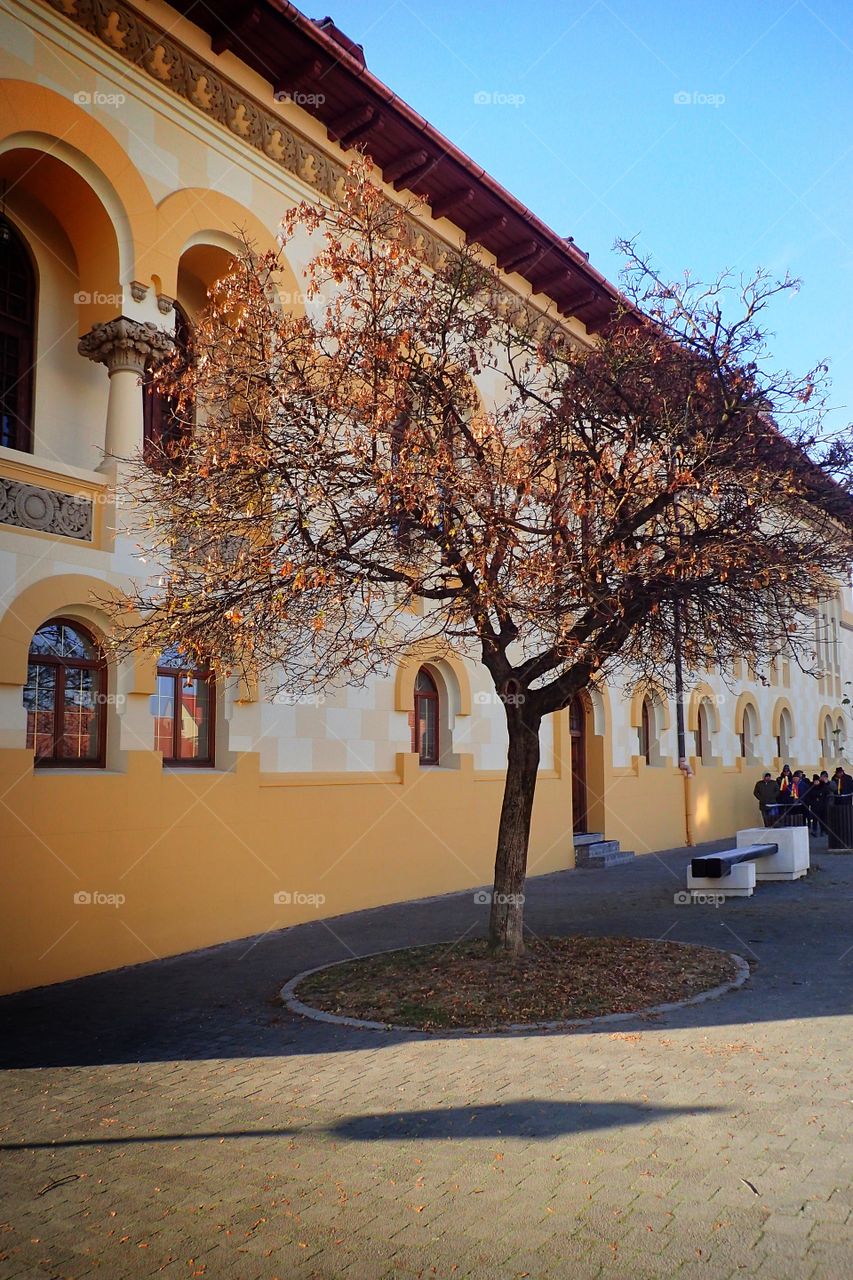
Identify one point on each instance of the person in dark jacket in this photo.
(784, 784)
(817, 801)
(810, 798)
(796, 796)
(842, 786)
(766, 792)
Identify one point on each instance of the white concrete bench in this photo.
(733, 873)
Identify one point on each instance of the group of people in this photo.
(795, 788)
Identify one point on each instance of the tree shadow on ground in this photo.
(526, 1118)
(531, 1118)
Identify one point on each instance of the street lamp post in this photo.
(683, 762)
(677, 657)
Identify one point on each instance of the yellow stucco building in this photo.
(146, 810)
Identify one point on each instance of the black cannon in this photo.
(714, 866)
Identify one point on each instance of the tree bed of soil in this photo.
(464, 985)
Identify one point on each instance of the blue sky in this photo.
(754, 170)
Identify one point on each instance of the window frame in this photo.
(199, 674)
(748, 735)
(24, 331)
(432, 698)
(645, 731)
(785, 734)
(704, 733)
(99, 665)
(163, 432)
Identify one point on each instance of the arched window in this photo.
(827, 743)
(748, 734)
(703, 732)
(165, 424)
(184, 711)
(65, 696)
(17, 333)
(425, 729)
(645, 731)
(786, 733)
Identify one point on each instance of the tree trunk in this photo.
(507, 915)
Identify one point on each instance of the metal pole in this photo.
(679, 684)
(683, 763)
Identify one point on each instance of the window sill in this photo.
(85, 771)
(51, 467)
(191, 770)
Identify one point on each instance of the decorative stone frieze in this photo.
(173, 66)
(29, 506)
(126, 344)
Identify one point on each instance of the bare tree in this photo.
(344, 493)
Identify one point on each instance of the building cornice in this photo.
(177, 68)
(314, 64)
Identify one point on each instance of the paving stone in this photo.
(206, 1122)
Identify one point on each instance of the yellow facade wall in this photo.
(644, 807)
(722, 799)
(199, 855)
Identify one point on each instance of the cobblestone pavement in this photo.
(174, 1119)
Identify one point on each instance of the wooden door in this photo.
(577, 731)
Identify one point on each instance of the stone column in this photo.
(129, 348)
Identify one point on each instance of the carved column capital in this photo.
(124, 344)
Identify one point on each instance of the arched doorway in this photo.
(577, 733)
